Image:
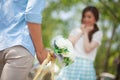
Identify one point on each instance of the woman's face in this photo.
(88, 19)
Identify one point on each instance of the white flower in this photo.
(70, 55)
(63, 43)
(69, 46)
(59, 41)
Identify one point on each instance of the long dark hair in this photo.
(96, 15)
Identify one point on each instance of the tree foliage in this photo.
(53, 24)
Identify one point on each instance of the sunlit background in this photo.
(61, 16)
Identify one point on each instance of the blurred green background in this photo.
(61, 16)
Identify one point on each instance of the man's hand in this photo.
(41, 56)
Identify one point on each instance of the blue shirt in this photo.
(14, 15)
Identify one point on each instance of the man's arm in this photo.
(36, 35)
(33, 17)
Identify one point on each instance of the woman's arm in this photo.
(75, 35)
(89, 46)
(74, 39)
(95, 42)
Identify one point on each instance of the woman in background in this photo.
(85, 40)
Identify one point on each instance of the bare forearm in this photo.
(74, 38)
(36, 35)
(86, 42)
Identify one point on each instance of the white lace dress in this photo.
(83, 67)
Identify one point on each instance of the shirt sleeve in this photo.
(97, 37)
(34, 10)
(75, 32)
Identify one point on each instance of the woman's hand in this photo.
(88, 46)
(86, 29)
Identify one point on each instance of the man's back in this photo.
(20, 28)
(14, 15)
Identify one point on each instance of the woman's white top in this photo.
(79, 45)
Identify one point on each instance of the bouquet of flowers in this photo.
(63, 49)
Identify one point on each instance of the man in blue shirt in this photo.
(20, 37)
